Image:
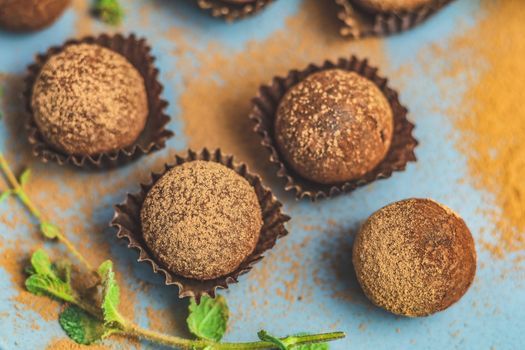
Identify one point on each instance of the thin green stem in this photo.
(74, 251)
(18, 190)
(181, 343)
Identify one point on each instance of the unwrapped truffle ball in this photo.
(201, 220)
(29, 15)
(414, 257)
(378, 6)
(88, 100)
(334, 126)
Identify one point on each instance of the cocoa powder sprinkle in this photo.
(201, 220)
(392, 5)
(414, 257)
(334, 126)
(88, 100)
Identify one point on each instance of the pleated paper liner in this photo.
(127, 221)
(233, 10)
(151, 139)
(357, 23)
(265, 106)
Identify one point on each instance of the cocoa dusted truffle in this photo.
(334, 126)
(414, 257)
(89, 100)
(201, 220)
(240, 2)
(380, 6)
(29, 15)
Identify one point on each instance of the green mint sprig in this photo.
(86, 321)
(89, 318)
(109, 11)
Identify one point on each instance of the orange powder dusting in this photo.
(215, 107)
(494, 124)
(84, 20)
(167, 320)
(66, 344)
(12, 261)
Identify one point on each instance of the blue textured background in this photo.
(490, 316)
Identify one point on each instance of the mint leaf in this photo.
(24, 178)
(45, 280)
(265, 336)
(208, 320)
(318, 346)
(80, 326)
(50, 286)
(109, 11)
(4, 195)
(49, 230)
(41, 263)
(110, 298)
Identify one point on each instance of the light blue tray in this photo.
(306, 284)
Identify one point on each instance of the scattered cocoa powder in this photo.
(67, 344)
(84, 19)
(491, 118)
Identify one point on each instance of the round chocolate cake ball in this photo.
(29, 15)
(239, 2)
(376, 6)
(201, 220)
(88, 100)
(334, 126)
(414, 257)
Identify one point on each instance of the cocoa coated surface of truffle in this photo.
(88, 100)
(240, 2)
(381, 6)
(201, 220)
(334, 126)
(414, 257)
(29, 15)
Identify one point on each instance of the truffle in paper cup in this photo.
(233, 9)
(359, 23)
(152, 137)
(128, 221)
(266, 104)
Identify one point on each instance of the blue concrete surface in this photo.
(490, 316)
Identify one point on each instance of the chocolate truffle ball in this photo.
(239, 2)
(334, 126)
(88, 100)
(201, 220)
(29, 15)
(414, 257)
(378, 6)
